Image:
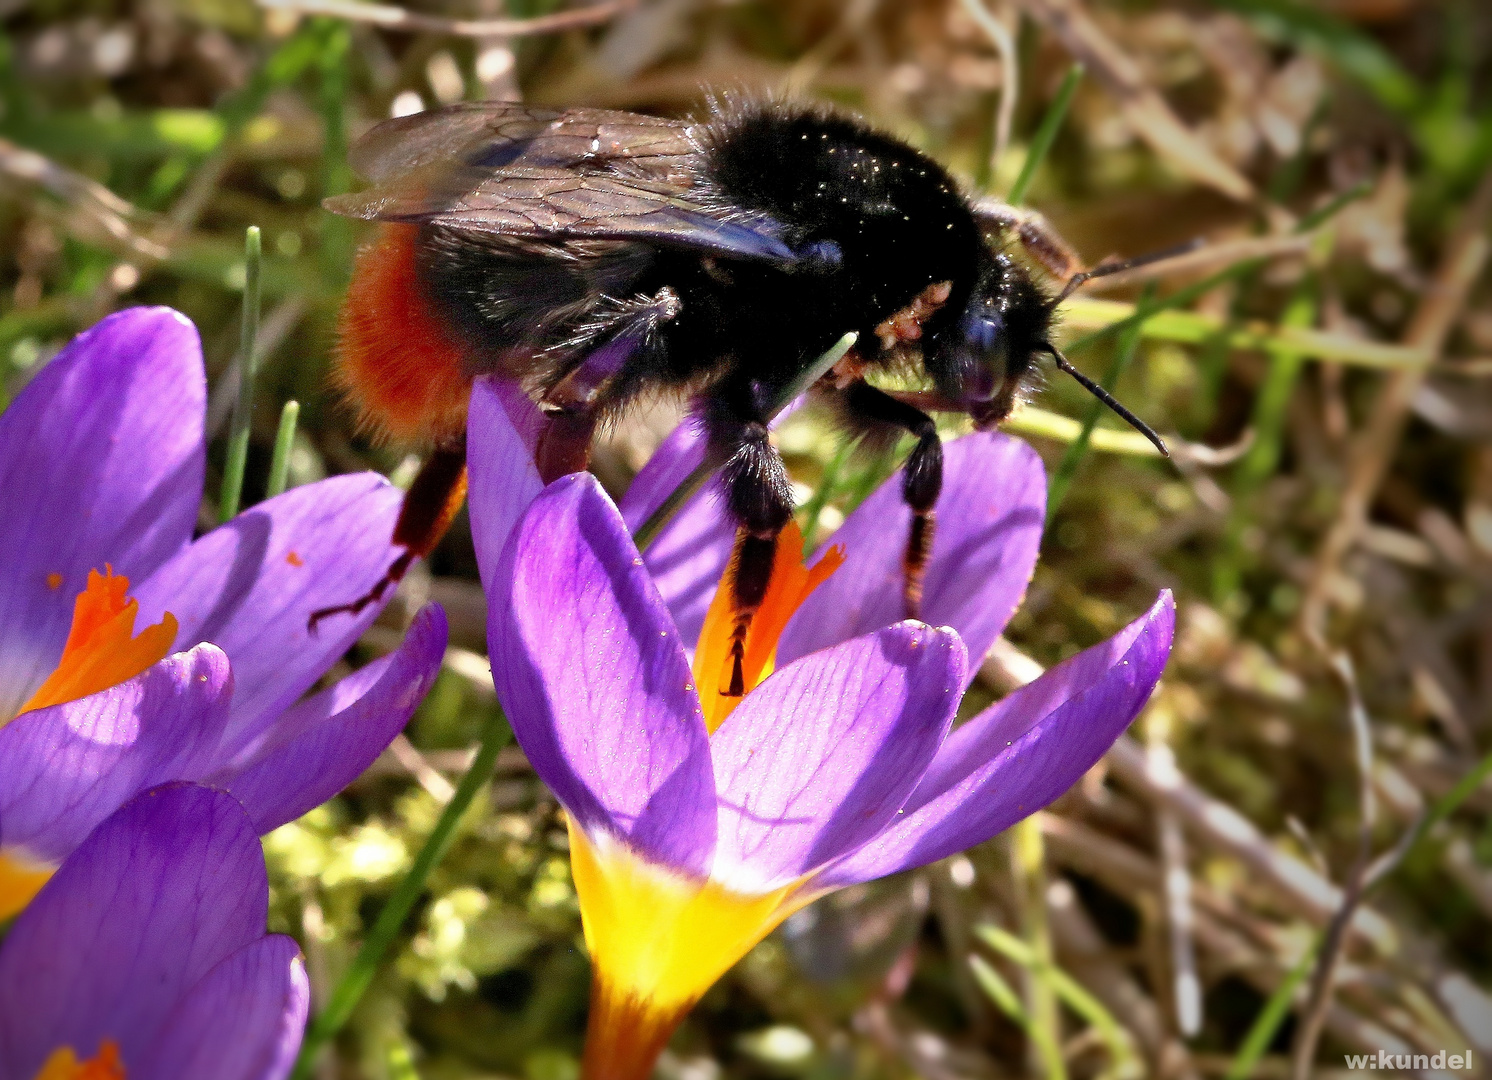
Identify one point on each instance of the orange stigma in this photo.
(101, 649)
(63, 1064)
(791, 583)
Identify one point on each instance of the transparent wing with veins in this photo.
(497, 167)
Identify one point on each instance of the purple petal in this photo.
(101, 461)
(501, 433)
(689, 554)
(593, 676)
(670, 465)
(243, 1021)
(250, 586)
(989, 520)
(1022, 752)
(154, 899)
(66, 768)
(321, 745)
(819, 758)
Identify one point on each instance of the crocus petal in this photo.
(1022, 752)
(154, 899)
(66, 768)
(988, 533)
(242, 1021)
(101, 461)
(501, 433)
(593, 676)
(676, 457)
(819, 758)
(250, 586)
(321, 745)
(688, 556)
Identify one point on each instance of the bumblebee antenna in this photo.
(1104, 269)
(1107, 398)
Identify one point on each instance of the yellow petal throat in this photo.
(658, 940)
(21, 879)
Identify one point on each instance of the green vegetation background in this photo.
(1345, 139)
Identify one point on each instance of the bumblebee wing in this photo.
(496, 167)
(496, 134)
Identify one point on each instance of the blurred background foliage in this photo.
(1324, 367)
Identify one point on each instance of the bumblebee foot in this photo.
(392, 576)
(431, 502)
(914, 562)
(751, 571)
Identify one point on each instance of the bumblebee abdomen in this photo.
(402, 364)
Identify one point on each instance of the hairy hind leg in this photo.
(564, 443)
(758, 496)
(922, 476)
(619, 335)
(430, 505)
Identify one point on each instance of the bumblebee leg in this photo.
(758, 496)
(571, 405)
(922, 477)
(564, 443)
(611, 339)
(430, 504)
(1040, 240)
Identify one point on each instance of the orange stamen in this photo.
(791, 583)
(101, 649)
(63, 1064)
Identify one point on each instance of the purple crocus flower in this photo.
(102, 461)
(688, 843)
(146, 954)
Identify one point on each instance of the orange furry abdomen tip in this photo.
(404, 368)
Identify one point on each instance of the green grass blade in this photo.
(649, 530)
(1008, 1002)
(359, 975)
(1262, 1031)
(1345, 46)
(1046, 134)
(1029, 420)
(1443, 808)
(1274, 396)
(1077, 450)
(813, 509)
(279, 466)
(1072, 994)
(231, 494)
(1000, 992)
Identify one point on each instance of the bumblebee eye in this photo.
(986, 349)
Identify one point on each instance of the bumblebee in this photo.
(596, 256)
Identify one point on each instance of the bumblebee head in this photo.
(987, 351)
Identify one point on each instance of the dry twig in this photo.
(87, 198)
(1314, 1017)
(397, 18)
(1376, 445)
(1010, 78)
(1143, 107)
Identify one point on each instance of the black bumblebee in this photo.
(595, 255)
